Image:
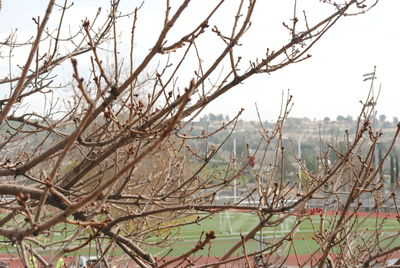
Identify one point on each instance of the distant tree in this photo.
(382, 118)
(397, 168)
(309, 156)
(380, 159)
(204, 118)
(340, 118)
(227, 118)
(212, 117)
(349, 118)
(241, 149)
(327, 119)
(375, 122)
(392, 170)
(386, 124)
(395, 120)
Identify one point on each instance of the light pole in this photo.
(234, 181)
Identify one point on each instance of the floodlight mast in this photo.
(234, 181)
(299, 156)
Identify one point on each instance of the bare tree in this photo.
(112, 166)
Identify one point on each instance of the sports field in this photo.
(229, 225)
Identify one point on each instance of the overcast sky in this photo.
(328, 84)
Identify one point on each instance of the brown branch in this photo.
(199, 246)
(32, 53)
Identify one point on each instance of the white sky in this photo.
(328, 84)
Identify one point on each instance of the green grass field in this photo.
(229, 225)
